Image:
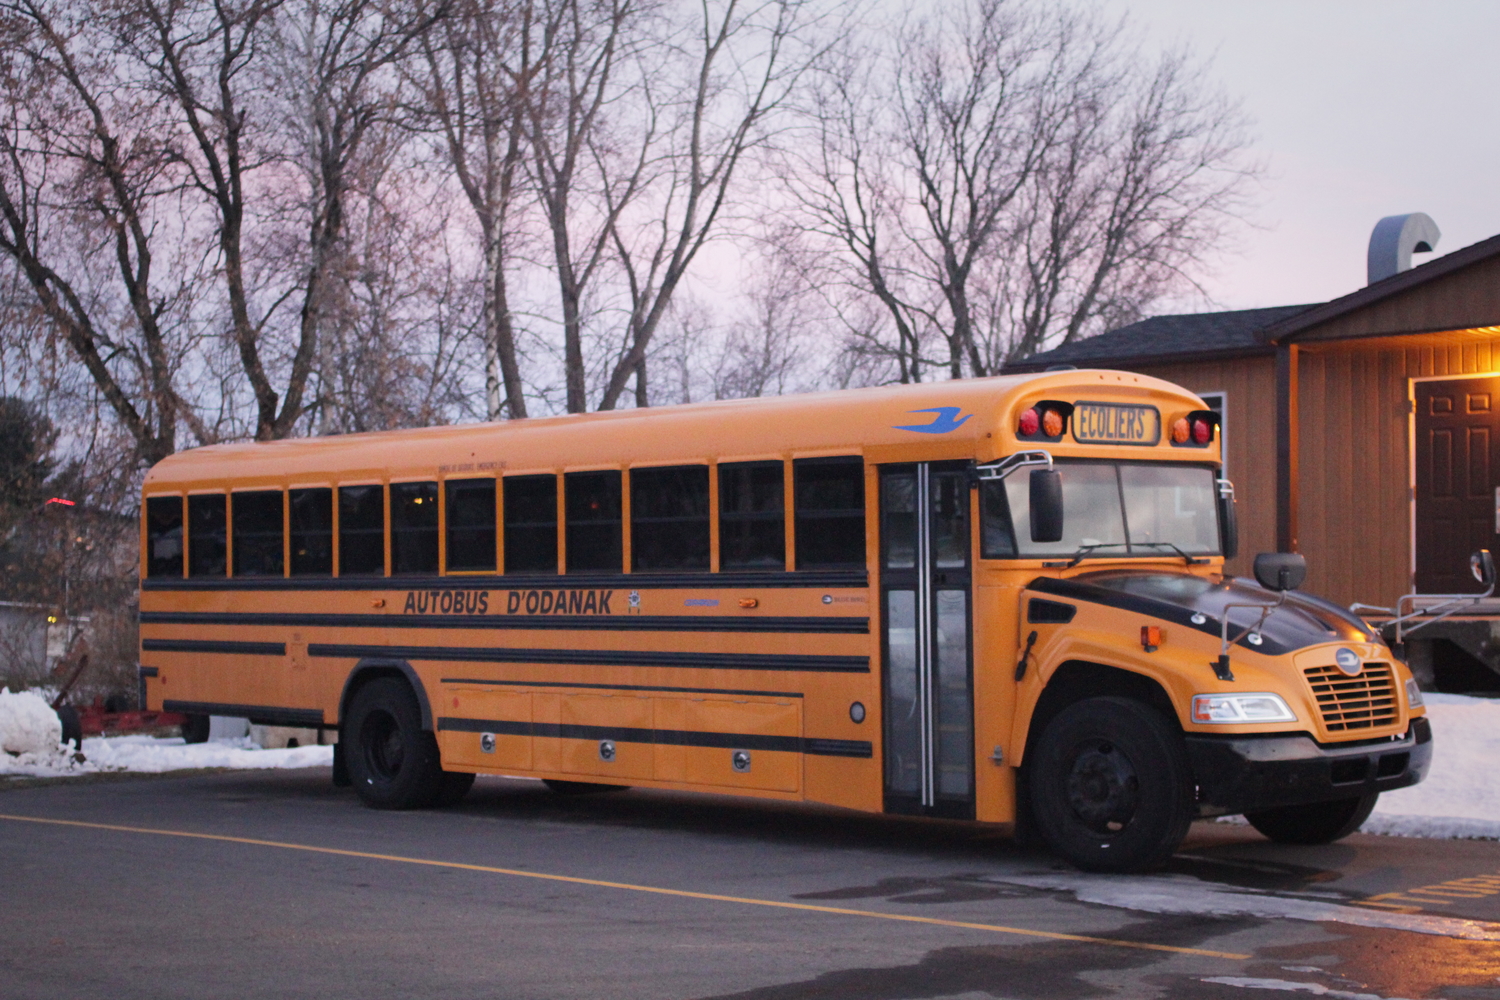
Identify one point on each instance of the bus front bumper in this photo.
(1237, 774)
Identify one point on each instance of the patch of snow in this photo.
(156, 755)
(1185, 894)
(27, 723)
(1289, 986)
(1461, 794)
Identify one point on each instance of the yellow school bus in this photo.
(1000, 600)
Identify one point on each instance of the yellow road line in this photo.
(715, 897)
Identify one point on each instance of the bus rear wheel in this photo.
(1316, 822)
(1111, 786)
(393, 762)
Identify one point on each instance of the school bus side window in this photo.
(312, 531)
(206, 534)
(530, 524)
(164, 536)
(414, 528)
(257, 533)
(752, 516)
(997, 540)
(594, 542)
(471, 524)
(830, 499)
(361, 531)
(669, 519)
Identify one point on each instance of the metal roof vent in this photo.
(1395, 239)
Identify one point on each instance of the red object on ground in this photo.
(95, 721)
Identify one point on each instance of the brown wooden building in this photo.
(1362, 432)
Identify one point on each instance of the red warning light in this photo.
(66, 503)
(1203, 431)
(1030, 422)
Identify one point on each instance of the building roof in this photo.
(1181, 337)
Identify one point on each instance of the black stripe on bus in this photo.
(213, 646)
(261, 715)
(802, 579)
(602, 657)
(586, 623)
(620, 687)
(661, 737)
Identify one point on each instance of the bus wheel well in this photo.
(368, 670)
(1076, 680)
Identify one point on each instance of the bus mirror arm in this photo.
(1481, 565)
(996, 471)
(1221, 665)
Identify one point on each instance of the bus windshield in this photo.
(1118, 508)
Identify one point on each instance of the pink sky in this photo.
(1361, 110)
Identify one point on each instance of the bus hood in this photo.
(1198, 603)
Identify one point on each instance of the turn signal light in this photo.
(1029, 422)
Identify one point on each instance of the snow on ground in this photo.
(1461, 794)
(152, 754)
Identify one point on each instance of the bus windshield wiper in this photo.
(1085, 551)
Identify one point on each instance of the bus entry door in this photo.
(928, 675)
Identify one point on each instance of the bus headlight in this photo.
(1413, 694)
(1227, 709)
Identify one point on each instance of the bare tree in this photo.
(476, 77)
(1023, 180)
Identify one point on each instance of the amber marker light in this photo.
(1150, 637)
(749, 602)
(1052, 423)
(1180, 431)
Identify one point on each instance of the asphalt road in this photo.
(275, 884)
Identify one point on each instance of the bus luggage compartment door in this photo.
(926, 606)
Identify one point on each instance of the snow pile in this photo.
(150, 754)
(1461, 794)
(27, 724)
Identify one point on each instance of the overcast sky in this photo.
(1361, 110)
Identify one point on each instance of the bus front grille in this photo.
(1364, 701)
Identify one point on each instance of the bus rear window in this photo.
(752, 516)
(471, 525)
(163, 536)
(830, 501)
(361, 531)
(594, 531)
(530, 524)
(669, 518)
(312, 531)
(414, 527)
(206, 531)
(257, 533)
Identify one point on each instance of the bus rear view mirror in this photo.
(1046, 505)
(1482, 565)
(1280, 570)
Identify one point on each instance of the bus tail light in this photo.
(1240, 709)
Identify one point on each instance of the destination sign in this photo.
(1116, 423)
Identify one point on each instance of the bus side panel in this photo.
(587, 755)
(996, 652)
(779, 770)
(511, 749)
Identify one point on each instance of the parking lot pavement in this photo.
(276, 884)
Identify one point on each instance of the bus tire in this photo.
(1111, 785)
(393, 762)
(580, 787)
(1316, 822)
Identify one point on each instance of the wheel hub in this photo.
(1103, 789)
(384, 747)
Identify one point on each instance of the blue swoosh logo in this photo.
(943, 423)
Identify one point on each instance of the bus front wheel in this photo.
(1111, 786)
(393, 762)
(1314, 823)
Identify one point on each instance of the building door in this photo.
(928, 674)
(1457, 489)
